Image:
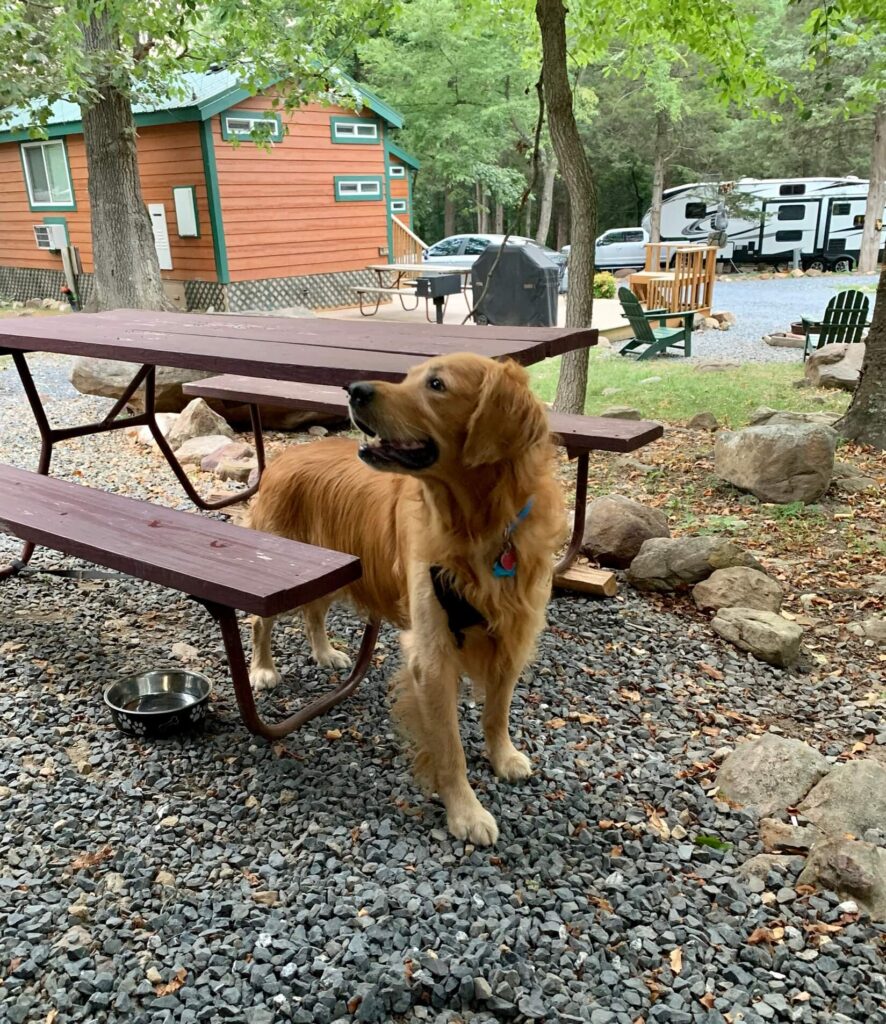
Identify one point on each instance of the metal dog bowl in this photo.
(158, 703)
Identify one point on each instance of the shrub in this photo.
(604, 286)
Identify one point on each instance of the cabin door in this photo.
(161, 234)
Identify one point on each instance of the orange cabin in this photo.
(237, 224)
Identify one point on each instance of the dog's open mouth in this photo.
(410, 453)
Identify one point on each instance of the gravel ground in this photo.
(762, 307)
(219, 878)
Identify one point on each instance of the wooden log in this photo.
(588, 580)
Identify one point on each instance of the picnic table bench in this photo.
(224, 567)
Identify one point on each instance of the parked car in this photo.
(460, 251)
(617, 248)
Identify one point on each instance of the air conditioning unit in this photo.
(50, 236)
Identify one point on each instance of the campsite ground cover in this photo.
(221, 878)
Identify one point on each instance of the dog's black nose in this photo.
(361, 393)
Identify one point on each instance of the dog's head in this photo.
(450, 413)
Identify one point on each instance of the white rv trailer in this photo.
(770, 218)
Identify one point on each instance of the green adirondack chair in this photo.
(649, 341)
(845, 319)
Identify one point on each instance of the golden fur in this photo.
(494, 454)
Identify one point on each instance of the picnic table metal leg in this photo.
(176, 466)
(227, 621)
(578, 521)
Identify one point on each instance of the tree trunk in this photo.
(527, 222)
(575, 170)
(865, 419)
(873, 214)
(658, 175)
(547, 200)
(478, 203)
(448, 215)
(499, 219)
(126, 270)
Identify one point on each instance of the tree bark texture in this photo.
(448, 215)
(546, 206)
(126, 270)
(873, 214)
(499, 219)
(865, 419)
(658, 175)
(575, 170)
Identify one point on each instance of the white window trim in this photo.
(397, 171)
(251, 122)
(399, 206)
(347, 130)
(370, 188)
(43, 202)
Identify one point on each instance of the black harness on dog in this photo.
(460, 613)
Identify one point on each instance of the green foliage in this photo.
(604, 285)
(713, 843)
(156, 44)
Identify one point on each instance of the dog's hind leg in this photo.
(315, 626)
(263, 672)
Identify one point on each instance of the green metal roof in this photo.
(401, 154)
(203, 95)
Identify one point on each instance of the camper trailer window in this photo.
(858, 221)
(792, 190)
(696, 210)
(840, 209)
(789, 236)
(792, 212)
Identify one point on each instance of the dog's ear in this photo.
(508, 419)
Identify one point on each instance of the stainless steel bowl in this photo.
(159, 703)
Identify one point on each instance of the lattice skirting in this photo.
(315, 291)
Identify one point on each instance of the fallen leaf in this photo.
(676, 960)
(709, 670)
(91, 860)
(178, 979)
(760, 935)
(50, 1017)
(707, 1000)
(555, 723)
(333, 734)
(632, 695)
(616, 851)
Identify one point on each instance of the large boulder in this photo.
(770, 773)
(197, 420)
(666, 564)
(764, 416)
(109, 378)
(738, 585)
(622, 412)
(777, 463)
(764, 634)
(851, 798)
(193, 451)
(835, 366)
(853, 869)
(616, 528)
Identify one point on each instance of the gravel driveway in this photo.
(762, 307)
(219, 878)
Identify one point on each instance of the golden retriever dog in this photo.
(454, 511)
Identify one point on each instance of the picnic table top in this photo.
(313, 349)
(424, 268)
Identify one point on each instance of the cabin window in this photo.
(789, 236)
(252, 126)
(840, 209)
(396, 171)
(47, 175)
(398, 206)
(793, 212)
(792, 190)
(353, 129)
(354, 188)
(696, 210)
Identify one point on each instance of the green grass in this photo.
(730, 395)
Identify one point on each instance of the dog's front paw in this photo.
(511, 765)
(474, 824)
(333, 659)
(264, 679)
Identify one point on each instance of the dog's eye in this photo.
(435, 384)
